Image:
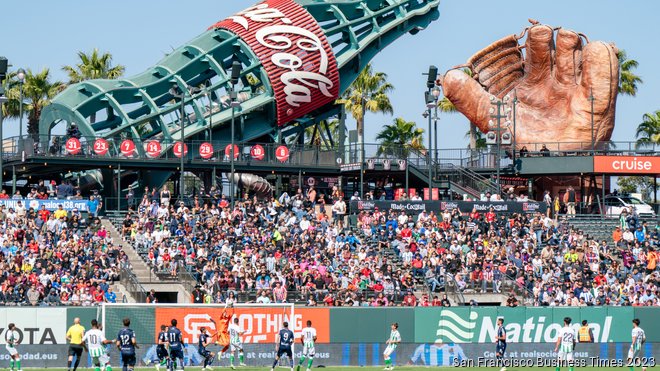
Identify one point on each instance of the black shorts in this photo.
(75, 350)
(500, 348)
(203, 352)
(176, 353)
(161, 353)
(128, 359)
(281, 351)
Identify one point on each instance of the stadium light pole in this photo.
(20, 75)
(212, 104)
(176, 92)
(593, 139)
(4, 64)
(515, 102)
(431, 101)
(235, 75)
(436, 95)
(362, 152)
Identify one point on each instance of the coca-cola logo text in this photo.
(295, 53)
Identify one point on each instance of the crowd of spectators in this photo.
(294, 248)
(55, 257)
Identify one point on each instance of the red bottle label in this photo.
(295, 52)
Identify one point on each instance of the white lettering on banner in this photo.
(35, 325)
(535, 330)
(259, 13)
(297, 83)
(631, 165)
(193, 322)
(67, 205)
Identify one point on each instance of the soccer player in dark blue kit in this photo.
(126, 343)
(500, 343)
(176, 345)
(284, 342)
(204, 341)
(161, 348)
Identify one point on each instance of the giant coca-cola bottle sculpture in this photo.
(296, 58)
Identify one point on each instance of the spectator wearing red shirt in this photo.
(410, 300)
(4, 195)
(490, 216)
(43, 213)
(406, 233)
(436, 301)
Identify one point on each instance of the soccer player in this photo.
(284, 340)
(161, 348)
(308, 338)
(500, 342)
(96, 341)
(175, 340)
(74, 335)
(235, 332)
(565, 344)
(223, 330)
(392, 343)
(126, 343)
(204, 341)
(638, 338)
(11, 338)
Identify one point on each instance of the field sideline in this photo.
(348, 368)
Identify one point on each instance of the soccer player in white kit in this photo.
(392, 344)
(565, 345)
(308, 339)
(235, 343)
(638, 339)
(12, 337)
(96, 341)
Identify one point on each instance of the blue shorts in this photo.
(128, 359)
(176, 353)
(284, 350)
(161, 353)
(203, 352)
(500, 349)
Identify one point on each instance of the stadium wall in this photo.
(352, 336)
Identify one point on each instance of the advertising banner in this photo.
(35, 325)
(523, 325)
(498, 207)
(437, 206)
(67, 205)
(366, 325)
(369, 354)
(260, 324)
(627, 165)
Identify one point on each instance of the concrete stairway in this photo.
(123, 296)
(141, 270)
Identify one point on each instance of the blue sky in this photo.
(46, 33)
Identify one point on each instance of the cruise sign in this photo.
(627, 164)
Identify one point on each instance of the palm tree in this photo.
(367, 93)
(38, 92)
(93, 66)
(313, 134)
(628, 81)
(648, 132)
(399, 138)
(478, 137)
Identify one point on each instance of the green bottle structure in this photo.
(296, 58)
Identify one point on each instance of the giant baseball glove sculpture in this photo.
(553, 83)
